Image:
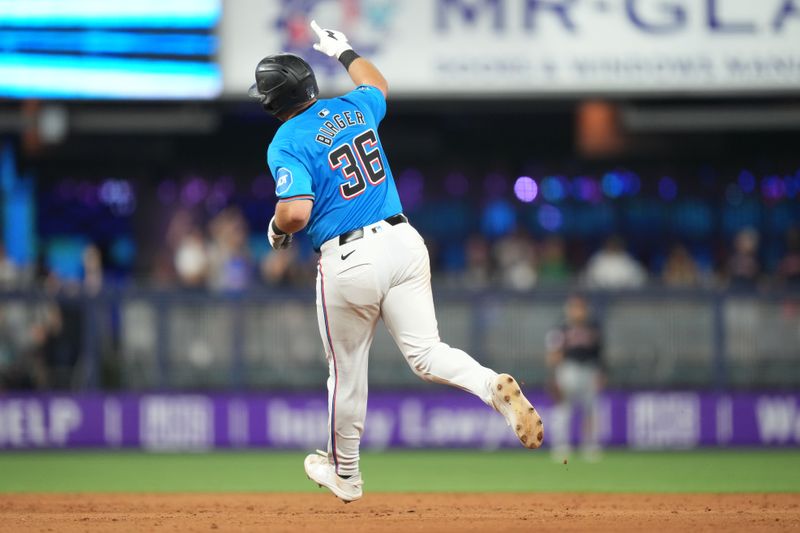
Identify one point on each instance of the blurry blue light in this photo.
(792, 185)
(525, 189)
(194, 191)
(779, 219)
(410, 187)
(733, 194)
(747, 181)
(631, 183)
(694, 218)
(108, 42)
(613, 185)
(550, 218)
(87, 194)
(64, 256)
(8, 167)
(747, 214)
(115, 191)
(167, 192)
(586, 189)
(773, 188)
(123, 251)
(109, 13)
(118, 195)
(31, 76)
(553, 189)
(667, 188)
(225, 186)
(215, 202)
(498, 218)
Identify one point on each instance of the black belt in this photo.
(356, 234)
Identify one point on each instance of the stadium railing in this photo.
(158, 340)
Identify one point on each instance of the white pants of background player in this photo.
(385, 274)
(578, 385)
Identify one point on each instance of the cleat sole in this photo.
(519, 412)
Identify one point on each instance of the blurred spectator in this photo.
(479, 263)
(163, 266)
(613, 268)
(553, 268)
(9, 274)
(789, 267)
(191, 260)
(33, 344)
(180, 225)
(58, 329)
(515, 258)
(680, 269)
(92, 270)
(574, 353)
(277, 268)
(743, 268)
(230, 264)
(22, 364)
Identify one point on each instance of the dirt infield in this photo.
(399, 512)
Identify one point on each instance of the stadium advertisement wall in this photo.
(530, 47)
(173, 421)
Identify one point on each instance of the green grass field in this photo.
(439, 471)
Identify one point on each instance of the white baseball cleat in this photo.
(320, 470)
(509, 401)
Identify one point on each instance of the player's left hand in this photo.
(278, 239)
(331, 42)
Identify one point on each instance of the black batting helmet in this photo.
(283, 81)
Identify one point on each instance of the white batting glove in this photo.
(331, 42)
(278, 239)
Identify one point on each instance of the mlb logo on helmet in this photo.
(283, 181)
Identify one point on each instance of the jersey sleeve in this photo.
(369, 98)
(292, 179)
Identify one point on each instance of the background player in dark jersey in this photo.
(575, 354)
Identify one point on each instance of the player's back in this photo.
(331, 153)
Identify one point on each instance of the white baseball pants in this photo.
(385, 274)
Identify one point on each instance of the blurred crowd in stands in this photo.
(224, 255)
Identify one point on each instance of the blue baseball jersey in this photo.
(331, 154)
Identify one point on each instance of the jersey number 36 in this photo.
(366, 159)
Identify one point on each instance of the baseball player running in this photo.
(332, 177)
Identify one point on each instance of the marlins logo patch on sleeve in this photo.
(283, 182)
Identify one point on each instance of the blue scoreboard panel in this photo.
(109, 49)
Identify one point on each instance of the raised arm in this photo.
(361, 71)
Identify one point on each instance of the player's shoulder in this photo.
(282, 142)
(277, 143)
(363, 91)
(285, 136)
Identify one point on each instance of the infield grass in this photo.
(408, 471)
